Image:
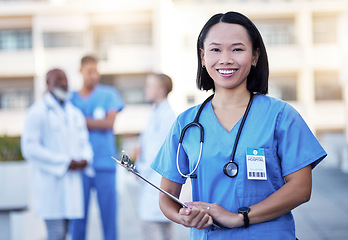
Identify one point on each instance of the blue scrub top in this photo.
(102, 100)
(272, 125)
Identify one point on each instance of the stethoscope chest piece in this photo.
(231, 169)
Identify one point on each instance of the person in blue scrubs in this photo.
(275, 154)
(100, 105)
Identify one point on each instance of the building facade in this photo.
(306, 42)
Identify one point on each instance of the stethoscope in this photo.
(230, 168)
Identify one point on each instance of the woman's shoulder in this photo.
(269, 102)
(189, 114)
(269, 99)
(271, 106)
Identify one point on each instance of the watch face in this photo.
(243, 209)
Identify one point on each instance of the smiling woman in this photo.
(228, 55)
(251, 144)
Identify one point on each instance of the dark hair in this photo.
(88, 59)
(257, 80)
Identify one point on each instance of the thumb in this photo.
(185, 211)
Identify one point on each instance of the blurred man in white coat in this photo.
(155, 225)
(55, 143)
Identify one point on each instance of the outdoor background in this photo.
(306, 41)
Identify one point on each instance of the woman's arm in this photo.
(294, 192)
(195, 217)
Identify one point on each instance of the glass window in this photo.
(15, 39)
(63, 39)
(324, 29)
(16, 93)
(108, 36)
(327, 86)
(15, 99)
(277, 31)
(283, 86)
(131, 87)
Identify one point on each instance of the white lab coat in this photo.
(151, 140)
(52, 137)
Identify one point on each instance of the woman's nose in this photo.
(226, 57)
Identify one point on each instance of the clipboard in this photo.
(127, 164)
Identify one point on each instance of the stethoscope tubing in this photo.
(201, 129)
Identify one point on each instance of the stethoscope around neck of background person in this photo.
(230, 168)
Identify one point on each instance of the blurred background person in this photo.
(100, 105)
(155, 226)
(55, 142)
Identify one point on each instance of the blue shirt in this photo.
(102, 100)
(272, 125)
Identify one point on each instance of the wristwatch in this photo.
(245, 211)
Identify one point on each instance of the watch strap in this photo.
(244, 211)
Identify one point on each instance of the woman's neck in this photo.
(230, 99)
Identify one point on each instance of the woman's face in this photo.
(228, 55)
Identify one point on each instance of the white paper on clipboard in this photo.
(127, 164)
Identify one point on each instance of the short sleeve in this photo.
(165, 161)
(297, 146)
(114, 102)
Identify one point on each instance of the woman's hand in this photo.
(220, 215)
(195, 218)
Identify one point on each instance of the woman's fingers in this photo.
(195, 217)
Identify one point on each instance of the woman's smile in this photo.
(226, 72)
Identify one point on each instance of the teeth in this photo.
(226, 71)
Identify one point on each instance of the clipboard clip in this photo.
(127, 164)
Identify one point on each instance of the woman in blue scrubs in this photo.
(249, 193)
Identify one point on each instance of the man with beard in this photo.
(55, 143)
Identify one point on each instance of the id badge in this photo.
(99, 113)
(256, 164)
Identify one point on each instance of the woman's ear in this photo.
(256, 55)
(202, 56)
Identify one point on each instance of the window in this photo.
(63, 39)
(131, 87)
(15, 39)
(327, 86)
(283, 86)
(16, 93)
(324, 29)
(108, 36)
(15, 99)
(277, 31)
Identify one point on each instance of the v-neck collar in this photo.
(220, 132)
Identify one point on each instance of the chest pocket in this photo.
(260, 188)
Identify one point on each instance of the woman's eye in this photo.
(215, 50)
(237, 49)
